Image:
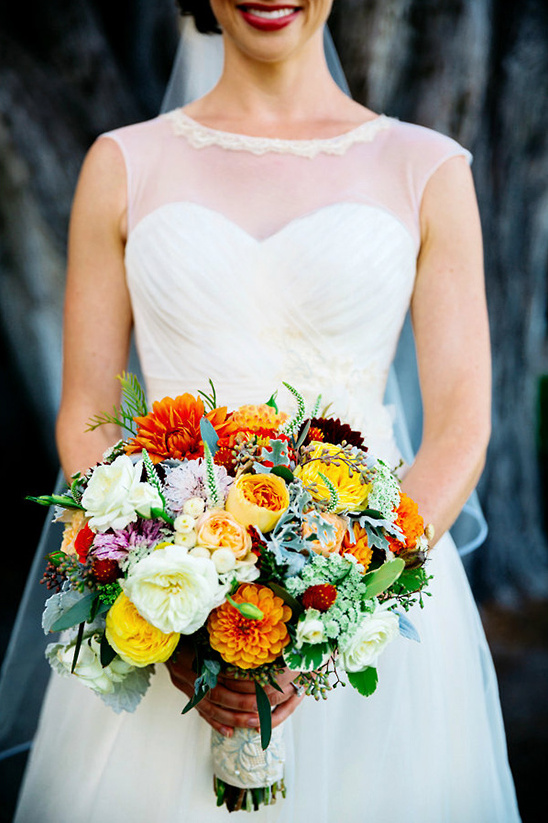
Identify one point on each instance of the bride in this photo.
(273, 230)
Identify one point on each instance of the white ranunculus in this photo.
(186, 539)
(310, 629)
(174, 590)
(363, 648)
(115, 495)
(89, 669)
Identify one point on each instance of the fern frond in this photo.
(133, 405)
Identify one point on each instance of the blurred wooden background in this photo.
(474, 69)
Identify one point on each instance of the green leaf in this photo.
(378, 581)
(55, 500)
(106, 652)
(77, 646)
(265, 714)
(283, 472)
(308, 658)
(78, 613)
(209, 435)
(365, 681)
(272, 402)
(288, 599)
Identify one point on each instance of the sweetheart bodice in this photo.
(251, 269)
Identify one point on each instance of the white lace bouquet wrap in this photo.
(241, 761)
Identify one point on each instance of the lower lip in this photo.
(263, 24)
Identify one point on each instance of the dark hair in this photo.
(203, 16)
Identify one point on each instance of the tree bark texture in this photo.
(474, 69)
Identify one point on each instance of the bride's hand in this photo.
(232, 702)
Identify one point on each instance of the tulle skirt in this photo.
(427, 747)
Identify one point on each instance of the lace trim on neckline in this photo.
(201, 137)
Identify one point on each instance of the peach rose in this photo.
(258, 500)
(313, 525)
(219, 529)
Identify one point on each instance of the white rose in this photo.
(89, 669)
(363, 648)
(174, 590)
(194, 507)
(310, 629)
(115, 495)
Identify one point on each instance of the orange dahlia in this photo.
(172, 429)
(360, 549)
(410, 522)
(247, 643)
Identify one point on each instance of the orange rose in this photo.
(219, 529)
(258, 500)
(313, 525)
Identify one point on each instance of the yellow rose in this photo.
(313, 525)
(352, 491)
(219, 529)
(258, 500)
(135, 640)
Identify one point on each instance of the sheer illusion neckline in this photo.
(200, 136)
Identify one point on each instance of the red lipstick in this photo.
(268, 17)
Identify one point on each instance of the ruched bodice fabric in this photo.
(251, 262)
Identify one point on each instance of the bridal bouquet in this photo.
(270, 541)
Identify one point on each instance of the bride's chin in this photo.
(264, 37)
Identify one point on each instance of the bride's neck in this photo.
(273, 97)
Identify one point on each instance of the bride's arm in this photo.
(97, 317)
(450, 322)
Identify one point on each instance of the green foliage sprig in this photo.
(133, 405)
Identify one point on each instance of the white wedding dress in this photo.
(254, 261)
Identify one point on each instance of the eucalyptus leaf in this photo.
(56, 606)
(75, 614)
(209, 435)
(378, 581)
(288, 599)
(265, 714)
(77, 646)
(106, 652)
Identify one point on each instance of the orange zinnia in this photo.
(172, 429)
(360, 549)
(410, 522)
(247, 643)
